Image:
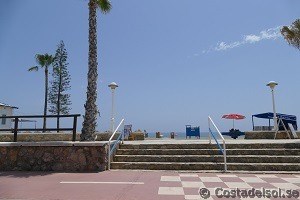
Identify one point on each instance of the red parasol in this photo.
(233, 117)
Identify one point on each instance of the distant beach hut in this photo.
(6, 110)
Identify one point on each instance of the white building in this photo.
(6, 110)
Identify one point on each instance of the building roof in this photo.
(6, 105)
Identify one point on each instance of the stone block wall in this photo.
(36, 137)
(64, 156)
(267, 135)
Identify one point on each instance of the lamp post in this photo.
(112, 87)
(272, 85)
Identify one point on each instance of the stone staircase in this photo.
(207, 157)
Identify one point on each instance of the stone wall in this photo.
(53, 156)
(267, 135)
(36, 137)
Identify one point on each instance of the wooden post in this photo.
(74, 128)
(16, 129)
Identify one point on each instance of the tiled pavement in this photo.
(187, 185)
(134, 185)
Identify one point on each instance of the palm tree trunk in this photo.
(90, 117)
(46, 99)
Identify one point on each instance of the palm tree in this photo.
(292, 34)
(91, 111)
(43, 61)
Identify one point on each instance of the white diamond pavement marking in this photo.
(211, 179)
(288, 186)
(170, 191)
(252, 180)
(233, 185)
(292, 180)
(192, 184)
(237, 185)
(195, 197)
(170, 178)
(266, 176)
(188, 175)
(227, 175)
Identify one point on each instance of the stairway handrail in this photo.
(210, 121)
(118, 140)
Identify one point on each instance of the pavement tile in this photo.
(274, 180)
(235, 185)
(261, 185)
(210, 179)
(170, 191)
(286, 176)
(288, 186)
(223, 198)
(170, 178)
(298, 184)
(231, 179)
(190, 178)
(196, 197)
(212, 190)
(227, 175)
(167, 197)
(246, 175)
(207, 175)
(192, 184)
(215, 185)
(292, 180)
(252, 180)
(192, 197)
(191, 191)
(170, 184)
(266, 176)
(188, 175)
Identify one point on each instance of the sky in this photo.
(176, 62)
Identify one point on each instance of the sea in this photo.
(182, 135)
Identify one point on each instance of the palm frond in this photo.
(34, 68)
(48, 59)
(292, 34)
(287, 33)
(104, 5)
(40, 59)
(44, 60)
(296, 25)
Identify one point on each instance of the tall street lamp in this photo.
(112, 86)
(272, 85)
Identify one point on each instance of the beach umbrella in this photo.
(233, 117)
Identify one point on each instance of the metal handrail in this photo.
(210, 121)
(109, 141)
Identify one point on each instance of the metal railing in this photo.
(222, 150)
(16, 128)
(116, 142)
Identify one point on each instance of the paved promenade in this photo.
(142, 185)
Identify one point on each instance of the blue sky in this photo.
(176, 62)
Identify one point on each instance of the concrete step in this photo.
(206, 166)
(212, 146)
(207, 152)
(208, 158)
